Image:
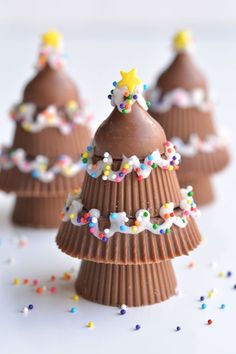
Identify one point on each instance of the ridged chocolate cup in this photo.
(131, 194)
(142, 248)
(37, 212)
(52, 143)
(133, 285)
(24, 185)
(202, 185)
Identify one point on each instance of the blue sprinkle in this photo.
(178, 328)
(94, 175)
(121, 174)
(161, 231)
(204, 306)
(109, 97)
(114, 215)
(150, 157)
(234, 286)
(104, 239)
(135, 97)
(174, 157)
(114, 83)
(89, 219)
(73, 310)
(89, 148)
(222, 306)
(91, 224)
(35, 174)
(202, 298)
(229, 274)
(122, 311)
(123, 228)
(145, 87)
(78, 220)
(143, 167)
(122, 105)
(30, 307)
(137, 327)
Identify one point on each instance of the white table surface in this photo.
(50, 327)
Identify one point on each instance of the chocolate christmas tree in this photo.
(43, 164)
(130, 218)
(180, 102)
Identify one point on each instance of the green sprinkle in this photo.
(146, 213)
(154, 165)
(148, 103)
(85, 160)
(190, 194)
(124, 110)
(167, 231)
(155, 226)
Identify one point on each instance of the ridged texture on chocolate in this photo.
(182, 73)
(37, 212)
(142, 248)
(182, 122)
(202, 185)
(135, 133)
(204, 163)
(133, 285)
(52, 143)
(25, 186)
(51, 87)
(131, 195)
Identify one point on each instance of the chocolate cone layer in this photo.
(37, 212)
(50, 87)
(133, 285)
(182, 73)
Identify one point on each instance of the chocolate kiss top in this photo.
(182, 73)
(50, 87)
(134, 133)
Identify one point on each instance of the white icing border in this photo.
(74, 207)
(119, 98)
(24, 114)
(178, 97)
(196, 145)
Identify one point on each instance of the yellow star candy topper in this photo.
(129, 79)
(182, 40)
(52, 38)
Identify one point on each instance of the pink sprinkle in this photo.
(92, 229)
(118, 179)
(35, 282)
(53, 289)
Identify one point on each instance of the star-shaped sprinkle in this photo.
(182, 40)
(130, 80)
(52, 38)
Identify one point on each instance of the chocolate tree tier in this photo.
(180, 102)
(44, 162)
(130, 218)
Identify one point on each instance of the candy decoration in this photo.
(195, 145)
(179, 97)
(74, 207)
(182, 41)
(39, 167)
(65, 120)
(50, 52)
(127, 91)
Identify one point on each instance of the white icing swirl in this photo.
(178, 98)
(195, 145)
(39, 167)
(129, 164)
(74, 207)
(49, 55)
(24, 114)
(123, 100)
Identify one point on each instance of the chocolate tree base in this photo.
(38, 212)
(202, 187)
(133, 285)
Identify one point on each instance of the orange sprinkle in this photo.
(26, 281)
(39, 290)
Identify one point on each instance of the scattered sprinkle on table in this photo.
(76, 297)
(39, 291)
(26, 281)
(202, 298)
(178, 328)
(221, 274)
(90, 324)
(16, 281)
(53, 289)
(73, 310)
(204, 306)
(209, 322)
(122, 311)
(137, 327)
(53, 278)
(222, 306)
(31, 306)
(229, 274)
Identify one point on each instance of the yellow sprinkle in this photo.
(76, 297)
(22, 108)
(166, 205)
(16, 281)
(170, 168)
(126, 166)
(108, 167)
(221, 274)
(72, 104)
(106, 173)
(85, 154)
(134, 228)
(182, 40)
(210, 295)
(72, 216)
(90, 324)
(52, 38)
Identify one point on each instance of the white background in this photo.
(101, 38)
